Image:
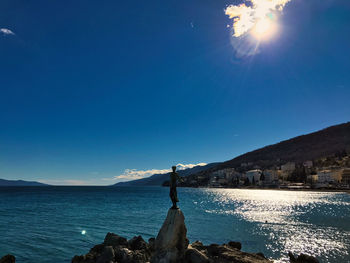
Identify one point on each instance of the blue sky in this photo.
(92, 89)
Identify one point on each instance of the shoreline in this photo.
(276, 189)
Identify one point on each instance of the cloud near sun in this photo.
(257, 14)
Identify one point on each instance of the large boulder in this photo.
(114, 240)
(137, 243)
(234, 244)
(171, 242)
(193, 255)
(107, 255)
(302, 258)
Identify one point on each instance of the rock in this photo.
(139, 256)
(97, 249)
(107, 255)
(137, 243)
(307, 259)
(123, 255)
(302, 258)
(8, 259)
(214, 249)
(198, 245)
(193, 255)
(171, 242)
(261, 254)
(234, 244)
(225, 254)
(152, 243)
(291, 257)
(115, 240)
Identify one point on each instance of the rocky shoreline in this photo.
(118, 249)
(170, 246)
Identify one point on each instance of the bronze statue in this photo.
(173, 193)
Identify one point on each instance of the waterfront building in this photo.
(346, 176)
(253, 174)
(325, 176)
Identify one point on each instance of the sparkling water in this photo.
(52, 224)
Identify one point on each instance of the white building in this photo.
(222, 177)
(325, 176)
(253, 174)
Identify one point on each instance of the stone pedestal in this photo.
(171, 242)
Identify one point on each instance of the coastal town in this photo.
(325, 173)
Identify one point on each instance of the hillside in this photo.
(316, 145)
(158, 179)
(4, 182)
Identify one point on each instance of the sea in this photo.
(52, 224)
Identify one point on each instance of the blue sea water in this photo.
(52, 224)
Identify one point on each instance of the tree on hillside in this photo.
(262, 177)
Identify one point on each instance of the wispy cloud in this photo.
(6, 31)
(245, 16)
(133, 174)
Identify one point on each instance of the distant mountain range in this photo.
(158, 179)
(4, 182)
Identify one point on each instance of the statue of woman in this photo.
(174, 177)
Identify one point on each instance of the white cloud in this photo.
(181, 166)
(134, 174)
(6, 31)
(245, 17)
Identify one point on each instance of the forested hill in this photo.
(323, 143)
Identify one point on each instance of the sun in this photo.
(264, 28)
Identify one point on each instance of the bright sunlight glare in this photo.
(258, 18)
(264, 29)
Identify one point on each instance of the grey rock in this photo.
(107, 255)
(193, 255)
(198, 245)
(124, 255)
(137, 243)
(234, 244)
(302, 258)
(97, 249)
(152, 243)
(114, 240)
(171, 242)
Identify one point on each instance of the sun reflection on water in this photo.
(282, 218)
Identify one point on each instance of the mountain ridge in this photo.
(4, 182)
(319, 144)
